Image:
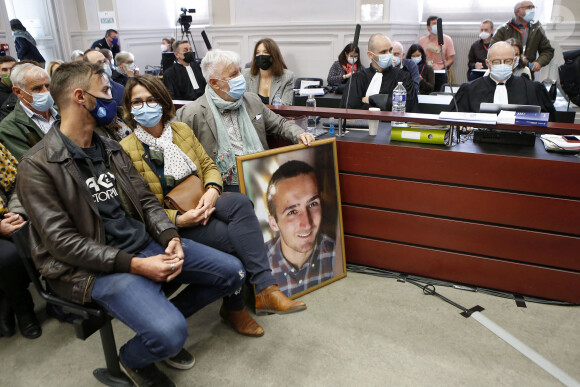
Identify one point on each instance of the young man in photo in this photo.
(301, 255)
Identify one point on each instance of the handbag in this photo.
(185, 196)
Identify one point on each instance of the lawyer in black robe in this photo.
(520, 91)
(179, 85)
(384, 100)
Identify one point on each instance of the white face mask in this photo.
(351, 60)
(416, 59)
(484, 35)
(163, 48)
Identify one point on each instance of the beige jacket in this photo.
(282, 85)
(199, 117)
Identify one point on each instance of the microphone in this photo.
(206, 40)
(440, 41)
(440, 31)
(356, 36)
(354, 47)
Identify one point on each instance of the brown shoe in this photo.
(242, 322)
(272, 300)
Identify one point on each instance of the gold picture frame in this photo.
(304, 235)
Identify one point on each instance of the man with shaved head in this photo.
(502, 86)
(373, 86)
(537, 51)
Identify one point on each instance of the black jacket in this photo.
(520, 90)
(102, 43)
(179, 85)
(25, 50)
(391, 76)
(5, 92)
(477, 53)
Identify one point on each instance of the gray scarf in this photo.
(226, 159)
(25, 35)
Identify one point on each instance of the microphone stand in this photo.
(447, 75)
(452, 96)
(341, 125)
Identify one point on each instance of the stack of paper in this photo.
(471, 118)
(523, 118)
(554, 142)
(307, 92)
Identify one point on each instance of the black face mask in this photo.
(263, 61)
(189, 57)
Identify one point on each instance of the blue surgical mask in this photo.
(434, 29)
(104, 111)
(147, 116)
(530, 13)
(132, 67)
(416, 59)
(115, 41)
(237, 87)
(385, 60)
(397, 60)
(41, 101)
(517, 62)
(501, 72)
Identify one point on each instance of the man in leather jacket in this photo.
(100, 235)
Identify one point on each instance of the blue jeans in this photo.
(160, 326)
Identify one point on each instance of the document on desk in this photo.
(469, 118)
(305, 84)
(558, 143)
(441, 99)
(307, 92)
(523, 118)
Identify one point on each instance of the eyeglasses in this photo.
(528, 7)
(151, 102)
(505, 61)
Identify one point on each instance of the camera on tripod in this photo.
(185, 19)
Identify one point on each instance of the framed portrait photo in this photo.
(296, 198)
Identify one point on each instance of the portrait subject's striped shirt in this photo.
(292, 280)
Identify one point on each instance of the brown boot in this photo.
(272, 300)
(242, 322)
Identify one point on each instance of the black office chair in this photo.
(299, 80)
(89, 318)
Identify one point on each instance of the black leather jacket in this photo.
(67, 236)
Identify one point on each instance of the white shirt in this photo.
(43, 124)
(500, 96)
(375, 85)
(192, 77)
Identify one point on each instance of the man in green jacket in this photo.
(33, 115)
(537, 49)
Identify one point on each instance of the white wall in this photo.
(310, 33)
(255, 12)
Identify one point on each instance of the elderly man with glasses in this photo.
(537, 52)
(501, 86)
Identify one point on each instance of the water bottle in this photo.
(331, 126)
(277, 101)
(399, 101)
(311, 122)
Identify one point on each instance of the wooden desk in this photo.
(497, 216)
